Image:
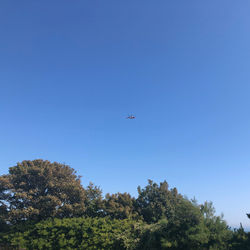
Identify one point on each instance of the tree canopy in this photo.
(43, 205)
(36, 190)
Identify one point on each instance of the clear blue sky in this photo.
(70, 72)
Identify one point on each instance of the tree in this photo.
(120, 206)
(94, 201)
(155, 201)
(184, 230)
(3, 206)
(219, 232)
(39, 189)
(240, 239)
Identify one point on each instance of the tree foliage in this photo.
(240, 239)
(94, 201)
(155, 201)
(36, 190)
(77, 233)
(120, 206)
(219, 233)
(44, 206)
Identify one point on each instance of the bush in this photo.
(77, 233)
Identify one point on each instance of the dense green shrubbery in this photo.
(44, 206)
(77, 233)
(107, 233)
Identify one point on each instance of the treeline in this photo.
(44, 206)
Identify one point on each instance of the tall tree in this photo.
(120, 206)
(219, 232)
(94, 201)
(39, 189)
(155, 201)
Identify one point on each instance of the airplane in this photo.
(131, 117)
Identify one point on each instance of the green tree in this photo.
(94, 201)
(240, 239)
(38, 189)
(219, 232)
(155, 201)
(184, 230)
(120, 206)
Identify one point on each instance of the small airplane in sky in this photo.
(131, 117)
